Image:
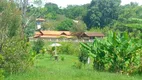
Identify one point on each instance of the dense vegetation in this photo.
(14, 48)
(118, 52)
(102, 12)
(98, 14)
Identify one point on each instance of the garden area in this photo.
(115, 56)
(46, 69)
(72, 62)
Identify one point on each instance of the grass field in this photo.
(46, 69)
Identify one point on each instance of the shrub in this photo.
(62, 58)
(38, 45)
(14, 51)
(83, 56)
(69, 48)
(1, 75)
(77, 65)
(1, 69)
(116, 53)
(65, 25)
(15, 56)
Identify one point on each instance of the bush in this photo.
(15, 56)
(65, 25)
(77, 65)
(14, 51)
(69, 48)
(38, 45)
(116, 53)
(1, 69)
(62, 58)
(83, 56)
(1, 75)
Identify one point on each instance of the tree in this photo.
(51, 7)
(51, 10)
(38, 45)
(13, 49)
(78, 27)
(65, 25)
(102, 12)
(131, 10)
(38, 3)
(129, 19)
(116, 53)
(75, 11)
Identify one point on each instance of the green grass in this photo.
(46, 69)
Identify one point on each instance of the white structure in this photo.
(55, 45)
(88, 61)
(75, 21)
(38, 21)
(38, 25)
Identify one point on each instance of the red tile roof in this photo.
(53, 34)
(67, 34)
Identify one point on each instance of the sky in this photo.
(64, 3)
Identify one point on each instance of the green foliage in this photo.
(30, 28)
(130, 19)
(38, 45)
(83, 56)
(51, 8)
(1, 69)
(9, 18)
(65, 25)
(132, 25)
(1, 75)
(101, 12)
(38, 2)
(78, 27)
(78, 65)
(46, 69)
(131, 10)
(15, 56)
(75, 11)
(14, 53)
(68, 48)
(51, 16)
(116, 53)
(62, 58)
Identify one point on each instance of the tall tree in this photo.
(13, 48)
(75, 11)
(38, 3)
(102, 12)
(51, 7)
(130, 19)
(65, 25)
(51, 10)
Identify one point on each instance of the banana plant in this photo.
(115, 53)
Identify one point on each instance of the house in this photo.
(91, 35)
(67, 34)
(53, 34)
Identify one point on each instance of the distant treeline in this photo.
(97, 14)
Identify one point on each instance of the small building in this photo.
(67, 34)
(53, 34)
(92, 35)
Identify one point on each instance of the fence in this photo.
(62, 40)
